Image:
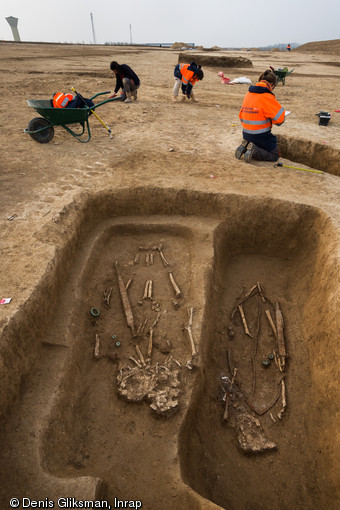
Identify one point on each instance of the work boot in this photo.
(175, 99)
(193, 98)
(249, 152)
(241, 149)
(128, 98)
(134, 93)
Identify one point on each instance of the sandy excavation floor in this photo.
(157, 393)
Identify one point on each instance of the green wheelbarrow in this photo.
(41, 129)
(282, 73)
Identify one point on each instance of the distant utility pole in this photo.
(130, 35)
(94, 35)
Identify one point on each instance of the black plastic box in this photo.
(324, 118)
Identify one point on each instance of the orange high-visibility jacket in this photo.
(61, 100)
(260, 110)
(187, 75)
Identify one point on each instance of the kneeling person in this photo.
(127, 80)
(259, 111)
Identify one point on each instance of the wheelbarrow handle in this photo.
(92, 110)
(106, 100)
(100, 94)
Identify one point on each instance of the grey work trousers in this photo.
(129, 85)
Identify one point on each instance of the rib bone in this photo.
(142, 325)
(249, 292)
(156, 321)
(141, 357)
(271, 322)
(150, 344)
(139, 365)
(261, 292)
(107, 296)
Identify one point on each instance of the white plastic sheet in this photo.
(242, 79)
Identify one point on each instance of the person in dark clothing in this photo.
(126, 79)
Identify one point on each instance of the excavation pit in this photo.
(80, 432)
(215, 60)
(315, 155)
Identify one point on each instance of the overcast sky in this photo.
(224, 23)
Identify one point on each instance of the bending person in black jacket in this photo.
(126, 79)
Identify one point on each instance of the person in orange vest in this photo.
(288, 47)
(186, 75)
(61, 100)
(259, 111)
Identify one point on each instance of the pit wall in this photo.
(308, 240)
(315, 155)
(215, 60)
(322, 311)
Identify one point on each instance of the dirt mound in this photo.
(180, 46)
(331, 47)
(213, 48)
(215, 61)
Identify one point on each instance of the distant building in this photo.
(13, 22)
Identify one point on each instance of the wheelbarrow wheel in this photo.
(43, 136)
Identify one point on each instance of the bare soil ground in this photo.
(331, 47)
(175, 415)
